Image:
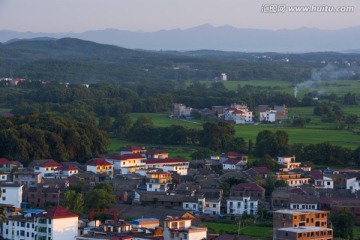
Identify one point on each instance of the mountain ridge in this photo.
(223, 38)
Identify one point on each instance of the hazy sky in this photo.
(153, 15)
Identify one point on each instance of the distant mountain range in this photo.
(224, 38)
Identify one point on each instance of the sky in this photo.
(55, 16)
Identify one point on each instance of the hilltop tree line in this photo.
(49, 136)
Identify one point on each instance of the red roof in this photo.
(98, 162)
(50, 163)
(248, 186)
(59, 212)
(69, 168)
(166, 160)
(5, 161)
(126, 157)
(317, 175)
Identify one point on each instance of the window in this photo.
(22, 233)
(4, 190)
(328, 183)
(186, 205)
(3, 198)
(214, 205)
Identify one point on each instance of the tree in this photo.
(217, 136)
(101, 197)
(266, 143)
(121, 125)
(351, 118)
(343, 224)
(201, 153)
(73, 202)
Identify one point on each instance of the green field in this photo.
(245, 231)
(314, 132)
(339, 87)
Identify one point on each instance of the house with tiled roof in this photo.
(66, 171)
(6, 165)
(55, 223)
(155, 153)
(132, 149)
(42, 195)
(178, 165)
(321, 180)
(261, 172)
(233, 155)
(47, 167)
(127, 163)
(100, 166)
(252, 190)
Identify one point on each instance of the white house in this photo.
(100, 166)
(11, 194)
(178, 165)
(303, 206)
(353, 184)
(267, 116)
(66, 171)
(238, 206)
(48, 168)
(234, 164)
(238, 115)
(212, 206)
(158, 181)
(197, 204)
(321, 181)
(288, 163)
(180, 228)
(56, 223)
(127, 163)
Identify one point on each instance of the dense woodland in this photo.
(73, 122)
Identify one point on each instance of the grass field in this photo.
(246, 231)
(339, 87)
(315, 132)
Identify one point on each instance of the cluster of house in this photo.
(235, 113)
(148, 178)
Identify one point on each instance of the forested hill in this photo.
(78, 61)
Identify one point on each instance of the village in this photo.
(165, 198)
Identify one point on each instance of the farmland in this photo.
(314, 132)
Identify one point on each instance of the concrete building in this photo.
(304, 233)
(180, 228)
(238, 206)
(55, 223)
(11, 194)
(100, 166)
(158, 181)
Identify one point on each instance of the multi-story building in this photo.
(304, 233)
(299, 218)
(158, 181)
(11, 194)
(252, 190)
(154, 153)
(286, 220)
(180, 110)
(27, 178)
(238, 114)
(180, 228)
(47, 167)
(292, 179)
(100, 166)
(55, 223)
(42, 196)
(132, 150)
(66, 171)
(288, 163)
(240, 205)
(6, 165)
(178, 165)
(127, 163)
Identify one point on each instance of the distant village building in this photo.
(180, 228)
(241, 205)
(266, 114)
(238, 114)
(223, 77)
(181, 111)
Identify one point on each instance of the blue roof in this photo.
(34, 211)
(137, 221)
